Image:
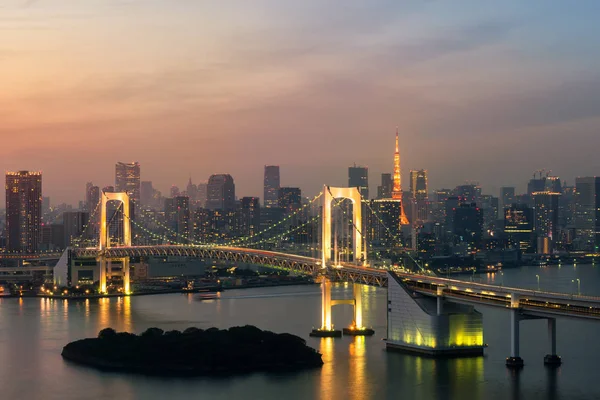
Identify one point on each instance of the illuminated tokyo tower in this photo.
(397, 189)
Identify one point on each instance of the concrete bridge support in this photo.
(327, 328)
(514, 361)
(105, 265)
(552, 359)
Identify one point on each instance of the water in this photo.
(33, 332)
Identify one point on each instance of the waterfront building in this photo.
(546, 215)
(519, 227)
(23, 211)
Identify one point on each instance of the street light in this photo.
(538, 281)
(502, 277)
(578, 285)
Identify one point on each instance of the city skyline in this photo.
(498, 88)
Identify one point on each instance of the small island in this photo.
(194, 352)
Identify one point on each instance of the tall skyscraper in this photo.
(23, 211)
(385, 190)
(127, 179)
(587, 212)
(358, 177)
(397, 188)
(546, 214)
(271, 186)
(220, 193)
(419, 193)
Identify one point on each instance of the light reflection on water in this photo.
(33, 331)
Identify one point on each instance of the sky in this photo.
(480, 91)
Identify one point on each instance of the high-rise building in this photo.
(249, 214)
(202, 192)
(146, 193)
(468, 225)
(74, 223)
(385, 190)
(419, 194)
(290, 199)
(507, 197)
(519, 226)
(127, 179)
(92, 198)
(177, 213)
(587, 215)
(397, 187)
(358, 177)
(175, 191)
(546, 214)
(384, 228)
(220, 193)
(23, 211)
(469, 193)
(271, 186)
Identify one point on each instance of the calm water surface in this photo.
(33, 332)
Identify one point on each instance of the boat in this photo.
(206, 296)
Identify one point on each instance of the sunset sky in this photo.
(484, 91)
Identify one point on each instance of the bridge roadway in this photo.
(532, 302)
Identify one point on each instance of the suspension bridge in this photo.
(426, 313)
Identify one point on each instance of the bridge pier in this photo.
(102, 281)
(440, 300)
(514, 361)
(327, 328)
(552, 359)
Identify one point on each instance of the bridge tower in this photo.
(360, 256)
(104, 242)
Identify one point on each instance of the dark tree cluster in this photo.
(194, 351)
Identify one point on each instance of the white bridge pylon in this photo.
(124, 199)
(329, 194)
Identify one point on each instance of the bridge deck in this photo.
(533, 302)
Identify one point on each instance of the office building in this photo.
(220, 193)
(271, 186)
(468, 225)
(358, 177)
(519, 227)
(290, 199)
(507, 198)
(177, 214)
(127, 179)
(249, 223)
(385, 190)
(546, 214)
(23, 211)
(74, 223)
(587, 218)
(419, 194)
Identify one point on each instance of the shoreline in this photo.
(212, 289)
